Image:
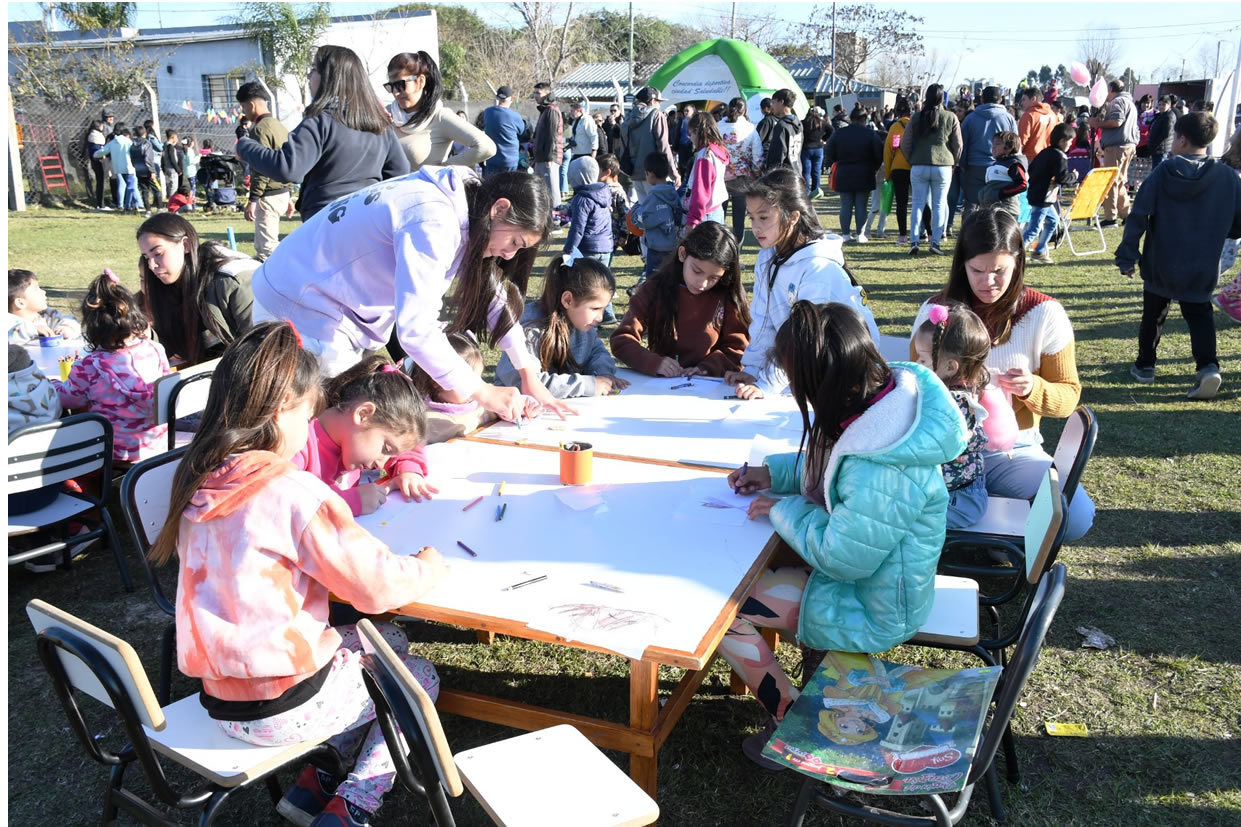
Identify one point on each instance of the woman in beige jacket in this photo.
(425, 129)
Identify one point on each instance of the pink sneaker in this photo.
(1230, 305)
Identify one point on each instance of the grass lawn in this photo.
(1160, 572)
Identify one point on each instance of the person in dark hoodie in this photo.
(783, 148)
(1186, 208)
(590, 227)
(1159, 139)
(548, 148)
(344, 143)
(645, 130)
(857, 152)
(1008, 177)
(977, 130)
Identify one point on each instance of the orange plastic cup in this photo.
(576, 463)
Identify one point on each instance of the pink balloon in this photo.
(1098, 93)
(1079, 73)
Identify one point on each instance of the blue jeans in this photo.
(716, 215)
(930, 183)
(1043, 222)
(966, 505)
(128, 191)
(955, 196)
(812, 167)
(564, 175)
(654, 260)
(853, 204)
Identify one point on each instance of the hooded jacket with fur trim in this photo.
(873, 525)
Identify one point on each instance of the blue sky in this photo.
(984, 39)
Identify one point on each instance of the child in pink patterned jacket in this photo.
(117, 376)
(260, 545)
(375, 419)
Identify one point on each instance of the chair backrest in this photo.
(52, 452)
(117, 663)
(1090, 194)
(412, 703)
(1025, 656)
(1044, 527)
(145, 492)
(1074, 449)
(183, 392)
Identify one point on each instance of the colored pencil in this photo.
(500, 509)
(595, 584)
(467, 549)
(538, 579)
(745, 467)
(473, 503)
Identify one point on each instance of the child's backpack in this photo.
(661, 223)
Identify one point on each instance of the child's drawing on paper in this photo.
(588, 617)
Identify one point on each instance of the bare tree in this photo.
(1098, 49)
(862, 33)
(554, 49)
(914, 69)
(766, 31)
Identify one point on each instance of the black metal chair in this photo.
(84, 659)
(144, 501)
(554, 774)
(49, 454)
(1025, 656)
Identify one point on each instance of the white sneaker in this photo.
(862, 239)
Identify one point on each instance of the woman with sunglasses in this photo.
(424, 127)
(345, 141)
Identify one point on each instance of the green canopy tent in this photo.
(716, 71)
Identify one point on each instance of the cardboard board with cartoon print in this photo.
(873, 726)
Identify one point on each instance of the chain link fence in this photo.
(52, 140)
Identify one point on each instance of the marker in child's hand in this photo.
(517, 421)
(744, 468)
(732, 396)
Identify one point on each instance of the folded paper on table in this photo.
(584, 498)
(878, 727)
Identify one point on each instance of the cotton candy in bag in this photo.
(1000, 426)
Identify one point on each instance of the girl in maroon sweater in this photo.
(694, 311)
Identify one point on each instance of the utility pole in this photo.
(630, 48)
(833, 86)
(1182, 68)
(1218, 43)
(732, 26)
(1230, 116)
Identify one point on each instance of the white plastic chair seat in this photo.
(954, 614)
(194, 740)
(59, 510)
(183, 438)
(554, 776)
(893, 348)
(1005, 516)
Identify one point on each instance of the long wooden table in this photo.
(511, 549)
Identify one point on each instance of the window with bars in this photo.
(220, 91)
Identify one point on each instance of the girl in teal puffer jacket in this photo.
(866, 504)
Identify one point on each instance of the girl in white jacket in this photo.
(798, 261)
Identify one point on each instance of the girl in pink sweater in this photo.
(116, 377)
(260, 545)
(375, 418)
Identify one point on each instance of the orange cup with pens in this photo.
(576, 463)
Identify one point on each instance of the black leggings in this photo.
(900, 198)
(96, 166)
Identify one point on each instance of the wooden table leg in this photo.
(483, 636)
(643, 712)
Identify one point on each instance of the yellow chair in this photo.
(1086, 203)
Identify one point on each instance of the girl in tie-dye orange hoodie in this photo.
(260, 545)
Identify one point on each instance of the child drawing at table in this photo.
(694, 310)
(798, 261)
(260, 545)
(29, 316)
(448, 420)
(865, 504)
(561, 331)
(954, 343)
(116, 377)
(374, 419)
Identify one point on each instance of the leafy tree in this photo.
(87, 16)
(654, 40)
(1044, 75)
(286, 33)
(104, 69)
(863, 33)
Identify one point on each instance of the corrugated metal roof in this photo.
(595, 80)
(812, 76)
